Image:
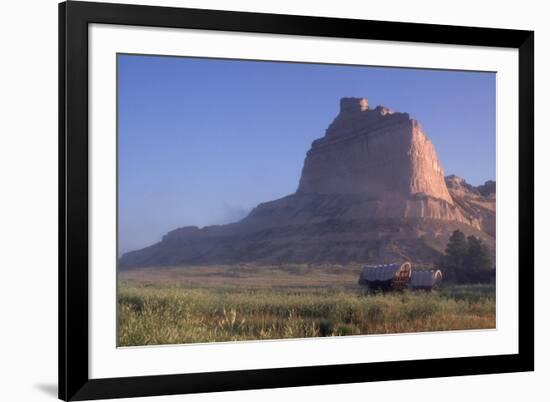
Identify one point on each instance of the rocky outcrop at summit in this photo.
(372, 190)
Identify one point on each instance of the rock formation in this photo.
(385, 157)
(373, 152)
(372, 189)
(475, 201)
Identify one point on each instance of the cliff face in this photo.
(373, 152)
(386, 158)
(372, 189)
(362, 152)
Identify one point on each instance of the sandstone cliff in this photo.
(385, 157)
(372, 189)
(373, 152)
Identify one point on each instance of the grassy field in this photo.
(231, 303)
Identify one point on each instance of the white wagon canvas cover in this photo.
(425, 279)
(388, 276)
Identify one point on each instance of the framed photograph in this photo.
(258, 201)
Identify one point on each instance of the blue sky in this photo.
(202, 141)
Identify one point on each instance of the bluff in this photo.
(371, 190)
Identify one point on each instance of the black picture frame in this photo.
(74, 18)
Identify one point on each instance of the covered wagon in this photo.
(425, 280)
(394, 276)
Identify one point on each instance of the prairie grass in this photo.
(175, 312)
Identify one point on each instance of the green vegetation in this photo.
(168, 306)
(467, 260)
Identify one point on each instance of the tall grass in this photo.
(170, 315)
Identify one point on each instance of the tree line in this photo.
(467, 260)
